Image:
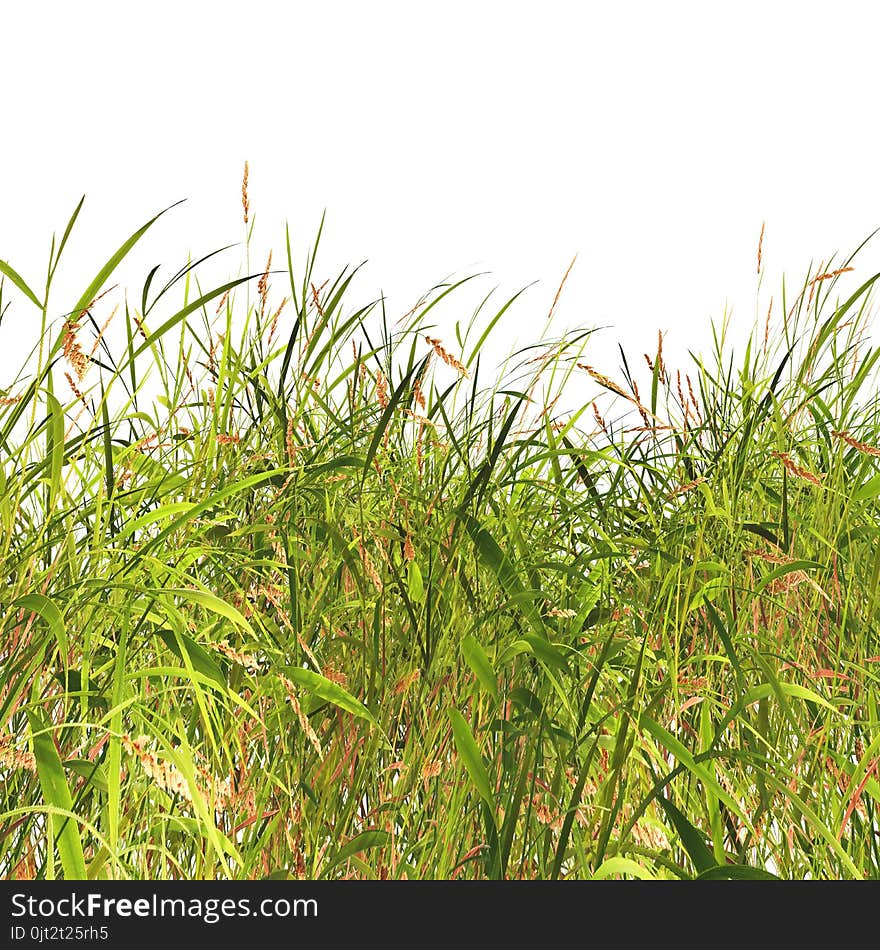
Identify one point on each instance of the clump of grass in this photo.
(293, 592)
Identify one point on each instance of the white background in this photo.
(651, 139)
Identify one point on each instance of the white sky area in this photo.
(650, 139)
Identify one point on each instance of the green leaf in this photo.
(870, 489)
(668, 741)
(187, 310)
(92, 772)
(502, 567)
(361, 842)
(19, 282)
(763, 691)
(513, 650)
(210, 602)
(396, 396)
(548, 654)
(415, 583)
(620, 865)
(202, 661)
(104, 273)
(193, 511)
(332, 692)
(784, 569)
(470, 756)
(692, 840)
(201, 829)
(45, 607)
(156, 514)
(478, 661)
(56, 793)
(67, 231)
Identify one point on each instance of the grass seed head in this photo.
(73, 351)
(263, 285)
(76, 390)
(167, 776)
(830, 275)
(12, 758)
(603, 380)
(382, 390)
(447, 357)
(274, 324)
(760, 245)
(369, 566)
(796, 469)
(245, 201)
(863, 447)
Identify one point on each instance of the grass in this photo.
(294, 590)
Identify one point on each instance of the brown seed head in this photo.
(223, 300)
(316, 298)
(73, 351)
(431, 769)
(767, 325)
(447, 358)
(328, 671)
(831, 274)
(604, 380)
(245, 201)
(770, 556)
(403, 684)
(369, 567)
(12, 758)
(263, 285)
(76, 390)
(690, 486)
(100, 335)
(242, 659)
(274, 325)
(559, 291)
(796, 469)
(859, 446)
(760, 245)
(599, 419)
(382, 390)
(305, 725)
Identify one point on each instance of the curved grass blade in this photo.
(46, 608)
(56, 792)
(477, 660)
(470, 756)
(213, 603)
(620, 865)
(692, 840)
(104, 273)
(361, 842)
(332, 692)
(503, 568)
(16, 279)
(201, 660)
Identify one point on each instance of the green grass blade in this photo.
(56, 793)
(470, 756)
